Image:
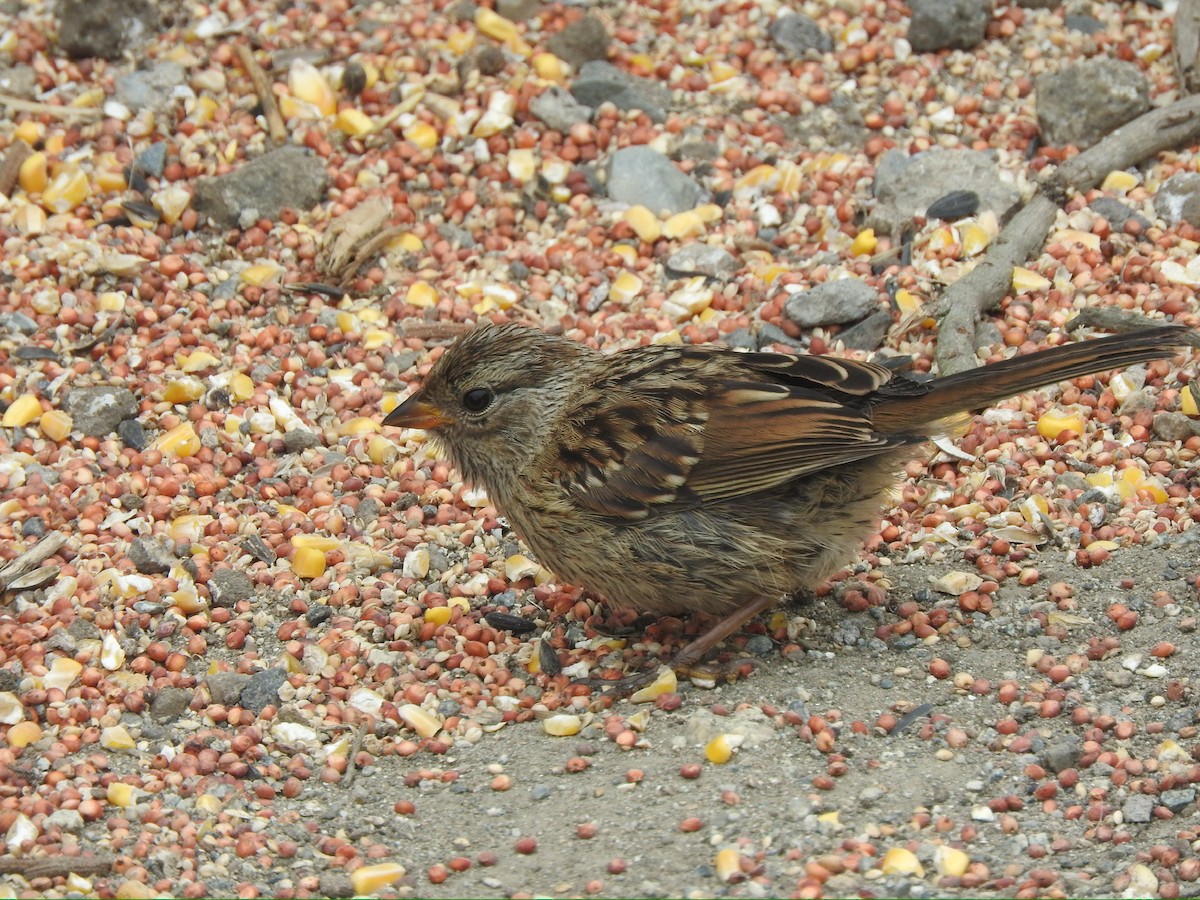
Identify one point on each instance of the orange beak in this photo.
(416, 412)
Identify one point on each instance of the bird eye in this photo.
(477, 400)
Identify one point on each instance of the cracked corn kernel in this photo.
(644, 223)
(28, 131)
(1187, 401)
(380, 450)
(1053, 422)
(62, 674)
(184, 390)
(374, 338)
(901, 861)
(309, 562)
(627, 253)
(665, 683)
(494, 25)
(66, 190)
(308, 85)
(120, 794)
(181, 440)
(684, 224)
(55, 424)
(196, 361)
(720, 749)
(1025, 280)
(29, 219)
(24, 733)
(115, 737)
(317, 542)
(264, 273)
(359, 426)
(709, 212)
(421, 295)
(422, 134)
(354, 122)
(625, 287)
(438, 615)
(419, 720)
(562, 725)
(369, 879)
(188, 529)
(864, 243)
(1118, 180)
(951, 861)
(522, 165)
(172, 202)
(974, 238)
(459, 42)
(727, 863)
(23, 410)
(112, 654)
(548, 66)
(33, 175)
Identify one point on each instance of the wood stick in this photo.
(10, 168)
(61, 112)
(266, 96)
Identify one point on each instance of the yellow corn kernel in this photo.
(1075, 236)
(181, 440)
(974, 238)
(110, 181)
(187, 599)
(907, 302)
(460, 42)
(321, 542)
(188, 529)
(354, 122)
(665, 683)
(29, 220)
(522, 165)
(24, 733)
(66, 190)
(1031, 506)
(495, 26)
(864, 243)
(28, 131)
(55, 144)
(951, 861)
(760, 176)
(196, 361)
(115, 737)
(1025, 280)
(1104, 545)
(548, 66)
(308, 562)
(684, 224)
(421, 295)
(120, 794)
(286, 509)
(728, 863)
(644, 223)
(627, 253)
(110, 301)
(380, 450)
(1118, 180)
(172, 202)
(33, 175)
(62, 674)
(709, 212)
(203, 110)
(184, 390)
(308, 85)
(263, 273)
(23, 410)
(359, 426)
(720, 749)
(690, 300)
(406, 243)
(422, 134)
(625, 287)
(369, 879)
(941, 238)
(1053, 422)
(419, 720)
(55, 424)
(720, 71)
(374, 338)
(901, 861)
(562, 725)
(438, 615)
(241, 387)
(346, 322)
(1187, 401)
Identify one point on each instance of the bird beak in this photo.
(416, 412)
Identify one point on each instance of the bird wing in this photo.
(701, 425)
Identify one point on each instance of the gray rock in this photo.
(797, 35)
(1178, 200)
(1083, 24)
(290, 177)
(948, 24)
(869, 333)
(263, 689)
(104, 28)
(518, 10)
(558, 109)
(1062, 755)
(225, 688)
(170, 703)
(133, 434)
(336, 885)
(599, 82)
(96, 411)
(1118, 214)
(151, 557)
(1174, 426)
(66, 820)
(19, 81)
(906, 185)
(1138, 808)
(643, 175)
(298, 439)
(580, 42)
(1138, 401)
(702, 259)
(82, 630)
(153, 160)
(152, 87)
(1084, 101)
(832, 303)
(1178, 800)
(838, 123)
(227, 587)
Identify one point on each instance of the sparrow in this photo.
(676, 478)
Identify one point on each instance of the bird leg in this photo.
(685, 661)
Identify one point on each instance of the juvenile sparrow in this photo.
(675, 478)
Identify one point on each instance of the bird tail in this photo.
(978, 388)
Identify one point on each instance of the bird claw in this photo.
(704, 675)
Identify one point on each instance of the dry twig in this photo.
(266, 96)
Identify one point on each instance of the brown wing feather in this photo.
(693, 424)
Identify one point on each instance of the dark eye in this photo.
(478, 399)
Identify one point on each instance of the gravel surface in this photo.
(252, 645)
